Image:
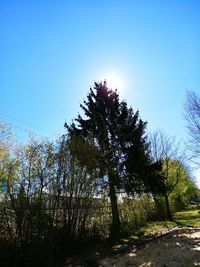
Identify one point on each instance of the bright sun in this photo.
(113, 81)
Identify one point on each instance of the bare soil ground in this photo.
(180, 247)
(174, 248)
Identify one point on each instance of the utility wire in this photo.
(27, 123)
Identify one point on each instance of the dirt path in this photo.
(179, 248)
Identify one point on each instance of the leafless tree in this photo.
(192, 116)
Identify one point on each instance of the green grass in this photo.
(155, 227)
(188, 218)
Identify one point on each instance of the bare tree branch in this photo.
(192, 116)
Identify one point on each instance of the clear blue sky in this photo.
(52, 51)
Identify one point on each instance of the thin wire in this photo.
(27, 123)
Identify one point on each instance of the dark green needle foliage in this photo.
(118, 136)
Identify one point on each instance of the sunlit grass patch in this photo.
(158, 226)
(188, 218)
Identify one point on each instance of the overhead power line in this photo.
(26, 123)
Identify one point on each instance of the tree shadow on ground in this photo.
(180, 248)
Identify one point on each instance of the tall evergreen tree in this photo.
(118, 135)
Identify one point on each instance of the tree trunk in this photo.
(169, 214)
(115, 226)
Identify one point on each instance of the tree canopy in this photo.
(117, 134)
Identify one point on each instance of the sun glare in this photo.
(113, 81)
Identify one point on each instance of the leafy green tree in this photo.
(7, 147)
(176, 178)
(184, 187)
(115, 136)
